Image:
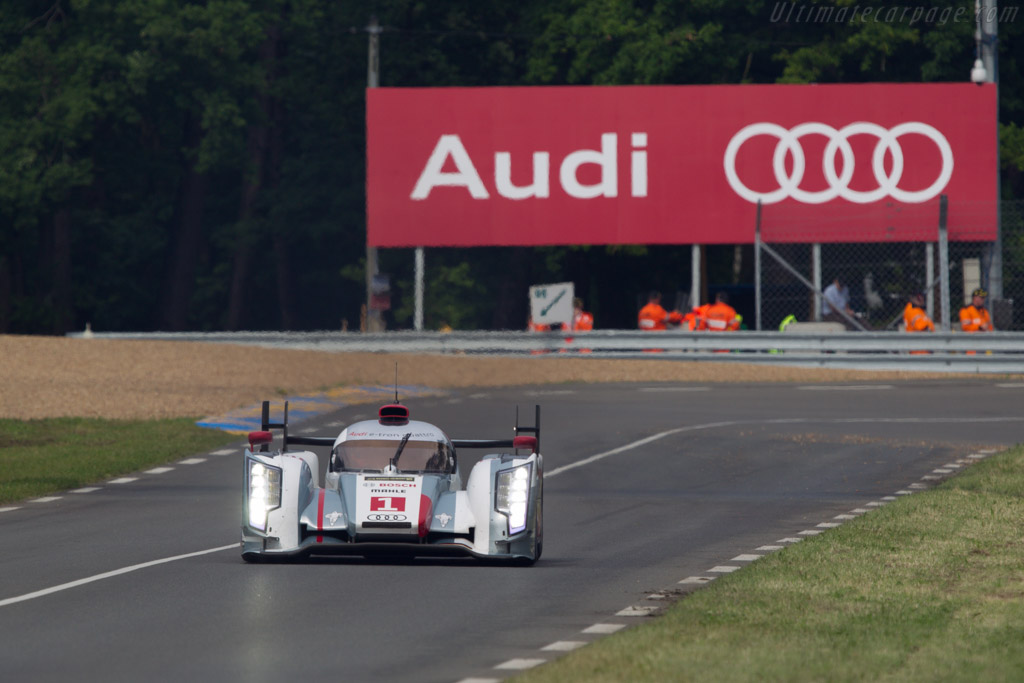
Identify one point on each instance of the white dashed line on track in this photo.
(810, 532)
(87, 489)
(520, 664)
(223, 451)
(636, 611)
(603, 629)
(123, 480)
(723, 569)
(10, 509)
(159, 470)
(564, 646)
(769, 547)
(45, 499)
(191, 461)
(828, 525)
(698, 579)
(746, 557)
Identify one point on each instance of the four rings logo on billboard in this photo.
(838, 143)
(466, 174)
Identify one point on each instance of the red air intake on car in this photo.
(393, 414)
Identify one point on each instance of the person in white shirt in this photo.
(837, 298)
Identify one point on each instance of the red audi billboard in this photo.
(525, 166)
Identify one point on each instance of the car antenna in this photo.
(396, 382)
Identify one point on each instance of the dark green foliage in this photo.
(200, 165)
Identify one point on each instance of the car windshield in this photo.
(375, 455)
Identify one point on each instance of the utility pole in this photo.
(374, 322)
(985, 70)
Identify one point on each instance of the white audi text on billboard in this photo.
(466, 175)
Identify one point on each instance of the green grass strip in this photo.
(40, 457)
(927, 588)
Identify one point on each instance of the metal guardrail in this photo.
(995, 352)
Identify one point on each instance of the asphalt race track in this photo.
(646, 485)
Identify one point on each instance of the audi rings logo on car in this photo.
(386, 518)
(838, 142)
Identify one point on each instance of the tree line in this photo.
(200, 165)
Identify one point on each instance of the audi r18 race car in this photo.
(392, 487)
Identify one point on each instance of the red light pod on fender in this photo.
(426, 513)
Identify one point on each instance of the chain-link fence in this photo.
(796, 265)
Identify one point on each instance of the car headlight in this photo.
(513, 494)
(264, 492)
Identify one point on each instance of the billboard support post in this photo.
(757, 268)
(944, 263)
(418, 316)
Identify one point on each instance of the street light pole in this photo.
(374, 322)
(985, 70)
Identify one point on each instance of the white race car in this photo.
(392, 487)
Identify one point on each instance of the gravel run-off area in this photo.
(108, 378)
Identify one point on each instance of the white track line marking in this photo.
(9, 509)
(159, 470)
(844, 387)
(564, 645)
(723, 569)
(810, 532)
(698, 579)
(746, 557)
(87, 489)
(123, 480)
(191, 461)
(636, 611)
(223, 451)
(603, 628)
(110, 574)
(45, 499)
(796, 420)
(769, 547)
(520, 664)
(658, 389)
(789, 540)
(635, 444)
(903, 492)
(828, 525)
(845, 517)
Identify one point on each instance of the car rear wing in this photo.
(266, 425)
(508, 443)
